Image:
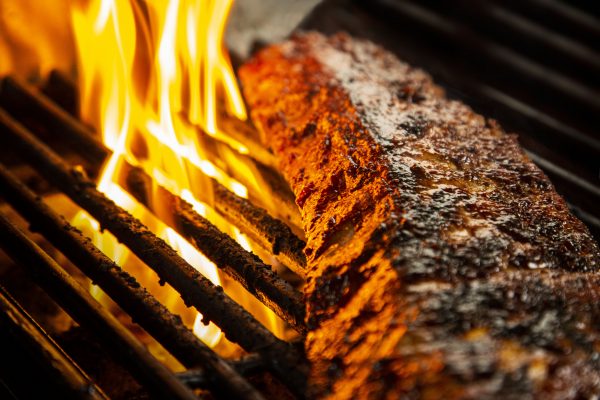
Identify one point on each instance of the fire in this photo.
(33, 35)
(151, 75)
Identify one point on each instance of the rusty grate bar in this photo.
(57, 365)
(270, 233)
(237, 324)
(78, 303)
(150, 314)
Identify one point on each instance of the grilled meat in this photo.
(442, 263)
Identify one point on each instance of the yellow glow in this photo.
(34, 38)
(152, 74)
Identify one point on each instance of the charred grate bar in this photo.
(200, 378)
(273, 235)
(246, 268)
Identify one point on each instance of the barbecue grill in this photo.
(530, 64)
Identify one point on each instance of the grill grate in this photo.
(206, 367)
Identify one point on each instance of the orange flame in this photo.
(152, 74)
(34, 38)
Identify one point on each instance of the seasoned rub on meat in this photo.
(442, 263)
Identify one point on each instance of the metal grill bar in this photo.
(57, 365)
(270, 233)
(164, 326)
(78, 303)
(563, 17)
(237, 324)
(575, 51)
(496, 21)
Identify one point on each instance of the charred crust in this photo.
(459, 248)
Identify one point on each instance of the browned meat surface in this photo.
(442, 263)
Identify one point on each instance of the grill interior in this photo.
(530, 64)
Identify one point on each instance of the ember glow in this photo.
(152, 74)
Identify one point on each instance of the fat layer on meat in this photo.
(442, 262)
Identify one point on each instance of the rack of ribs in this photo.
(441, 261)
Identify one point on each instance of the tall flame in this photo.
(151, 74)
